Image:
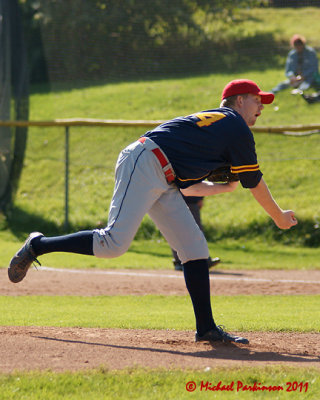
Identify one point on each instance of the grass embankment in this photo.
(290, 165)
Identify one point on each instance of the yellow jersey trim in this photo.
(193, 179)
(244, 168)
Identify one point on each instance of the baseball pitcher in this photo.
(178, 154)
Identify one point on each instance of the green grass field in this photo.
(237, 228)
(290, 313)
(160, 384)
(164, 312)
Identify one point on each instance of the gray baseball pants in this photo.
(141, 188)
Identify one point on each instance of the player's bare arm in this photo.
(205, 188)
(284, 219)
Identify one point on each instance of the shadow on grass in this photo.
(21, 223)
(306, 234)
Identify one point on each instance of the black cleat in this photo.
(218, 334)
(212, 262)
(23, 259)
(177, 266)
(311, 98)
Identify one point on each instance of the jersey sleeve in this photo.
(243, 157)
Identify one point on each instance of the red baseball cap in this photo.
(244, 86)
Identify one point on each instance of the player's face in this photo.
(250, 108)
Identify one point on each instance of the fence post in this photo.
(66, 207)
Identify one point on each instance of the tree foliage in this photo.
(87, 39)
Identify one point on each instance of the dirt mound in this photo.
(59, 349)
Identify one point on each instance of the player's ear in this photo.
(239, 100)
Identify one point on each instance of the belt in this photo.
(164, 162)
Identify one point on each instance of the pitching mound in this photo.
(59, 349)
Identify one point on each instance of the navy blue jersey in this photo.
(199, 143)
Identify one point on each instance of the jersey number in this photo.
(206, 119)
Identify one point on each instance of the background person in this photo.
(301, 66)
(312, 98)
(195, 204)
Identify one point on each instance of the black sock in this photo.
(80, 243)
(196, 275)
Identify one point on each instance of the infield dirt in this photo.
(59, 349)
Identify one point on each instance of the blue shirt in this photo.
(199, 143)
(309, 66)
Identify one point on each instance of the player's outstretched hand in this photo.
(286, 219)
